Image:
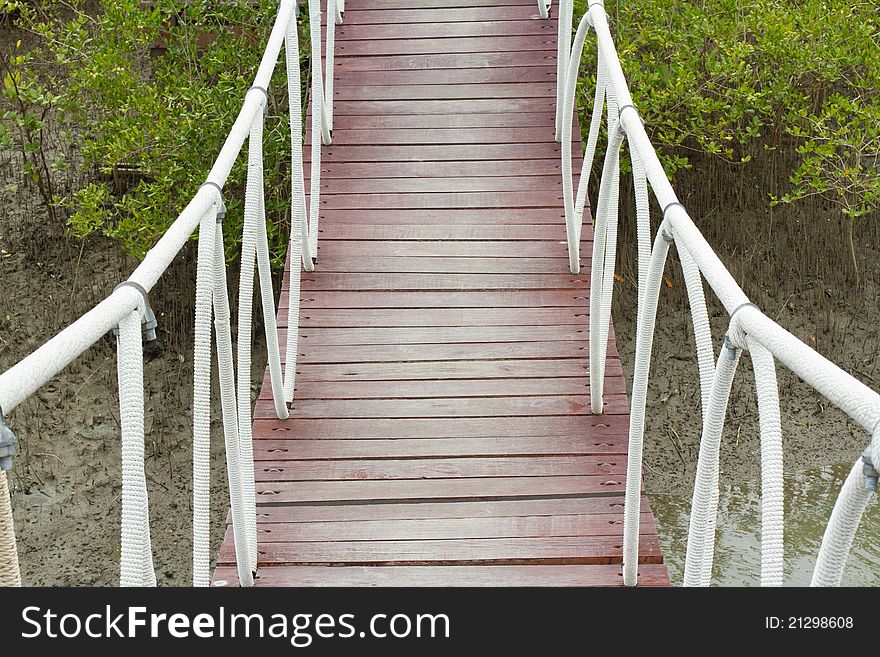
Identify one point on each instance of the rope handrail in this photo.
(750, 329)
(125, 309)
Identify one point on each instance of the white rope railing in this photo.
(127, 311)
(749, 329)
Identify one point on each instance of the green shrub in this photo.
(151, 120)
(738, 80)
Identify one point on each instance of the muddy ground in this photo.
(66, 480)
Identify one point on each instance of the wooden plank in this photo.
(448, 136)
(483, 576)
(434, 468)
(394, 317)
(451, 369)
(503, 44)
(426, 4)
(597, 428)
(448, 407)
(555, 249)
(450, 528)
(390, 282)
(612, 504)
(436, 335)
(433, 265)
(413, 185)
(407, 353)
(458, 232)
(439, 153)
(550, 199)
(450, 489)
(542, 119)
(542, 56)
(464, 106)
(424, 300)
(446, 388)
(348, 32)
(486, 216)
(369, 16)
(510, 551)
(443, 76)
(299, 449)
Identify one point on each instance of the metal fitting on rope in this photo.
(666, 233)
(8, 444)
(221, 211)
(738, 335)
(870, 472)
(149, 322)
(620, 118)
(266, 101)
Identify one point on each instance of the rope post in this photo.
(10, 574)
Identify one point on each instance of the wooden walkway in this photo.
(441, 433)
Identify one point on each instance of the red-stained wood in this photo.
(445, 217)
(558, 550)
(527, 43)
(607, 524)
(449, 185)
(434, 30)
(599, 429)
(445, 76)
(441, 430)
(436, 576)
(407, 136)
(269, 449)
(484, 488)
(540, 57)
(543, 119)
(441, 282)
(433, 468)
(460, 14)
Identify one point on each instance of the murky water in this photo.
(809, 498)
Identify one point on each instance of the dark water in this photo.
(809, 498)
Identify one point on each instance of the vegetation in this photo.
(141, 97)
(789, 81)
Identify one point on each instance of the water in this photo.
(809, 498)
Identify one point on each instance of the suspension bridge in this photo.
(449, 407)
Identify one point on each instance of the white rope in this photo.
(573, 218)
(644, 343)
(320, 127)
(202, 400)
(841, 530)
(704, 507)
(136, 558)
(332, 12)
(563, 52)
(543, 8)
(772, 482)
(602, 276)
(10, 574)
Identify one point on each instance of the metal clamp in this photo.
(620, 117)
(870, 472)
(257, 87)
(149, 322)
(221, 211)
(8, 444)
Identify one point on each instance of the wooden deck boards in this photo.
(441, 433)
